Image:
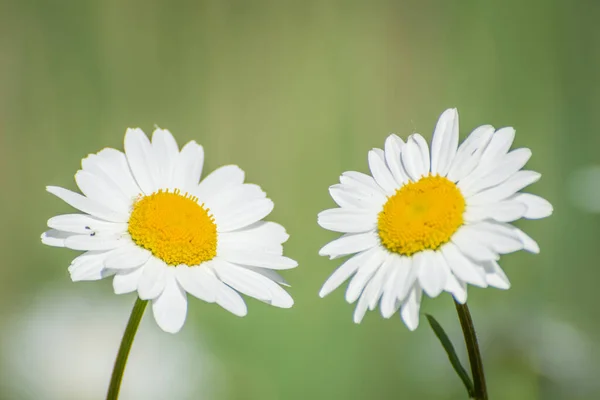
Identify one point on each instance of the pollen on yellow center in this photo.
(421, 215)
(174, 227)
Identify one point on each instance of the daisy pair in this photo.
(148, 221)
(430, 220)
(423, 221)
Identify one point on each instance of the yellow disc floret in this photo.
(174, 227)
(421, 215)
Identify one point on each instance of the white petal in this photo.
(105, 274)
(253, 284)
(361, 181)
(497, 172)
(112, 165)
(153, 279)
(504, 211)
(529, 244)
(348, 220)
(405, 277)
(369, 267)
(432, 276)
(269, 273)
(361, 309)
(85, 224)
(259, 232)
(230, 300)
(344, 196)
(349, 244)
(469, 153)
(424, 150)
(219, 180)
(389, 301)
(469, 244)
(457, 288)
(393, 151)
(501, 238)
(234, 196)
(243, 280)
(410, 309)
(368, 295)
(241, 217)
(198, 281)
(498, 146)
(141, 159)
(188, 168)
(86, 205)
(413, 159)
(461, 266)
(88, 256)
(507, 166)
(97, 242)
(374, 290)
(279, 297)
(166, 152)
(170, 308)
(126, 281)
(379, 153)
(98, 190)
(537, 207)
(357, 197)
(88, 266)
(453, 285)
(55, 238)
(230, 241)
(495, 276)
(371, 293)
(261, 236)
(444, 142)
(258, 259)
(506, 189)
(127, 256)
(345, 271)
(381, 173)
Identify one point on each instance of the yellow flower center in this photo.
(421, 215)
(174, 227)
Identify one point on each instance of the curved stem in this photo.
(473, 350)
(126, 342)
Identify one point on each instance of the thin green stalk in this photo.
(473, 350)
(117, 375)
(452, 356)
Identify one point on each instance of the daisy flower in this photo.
(430, 221)
(146, 219)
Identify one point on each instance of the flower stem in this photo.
(117, 375)
(473, 350)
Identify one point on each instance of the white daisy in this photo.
(147, 220)
(430, 222)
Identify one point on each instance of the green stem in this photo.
(117, 375)
(449, 348)
(473, 350)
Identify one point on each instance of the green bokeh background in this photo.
(296, 92)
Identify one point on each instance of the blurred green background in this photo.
(296, 92)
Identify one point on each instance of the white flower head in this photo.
(148, 220)
(430, 221)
